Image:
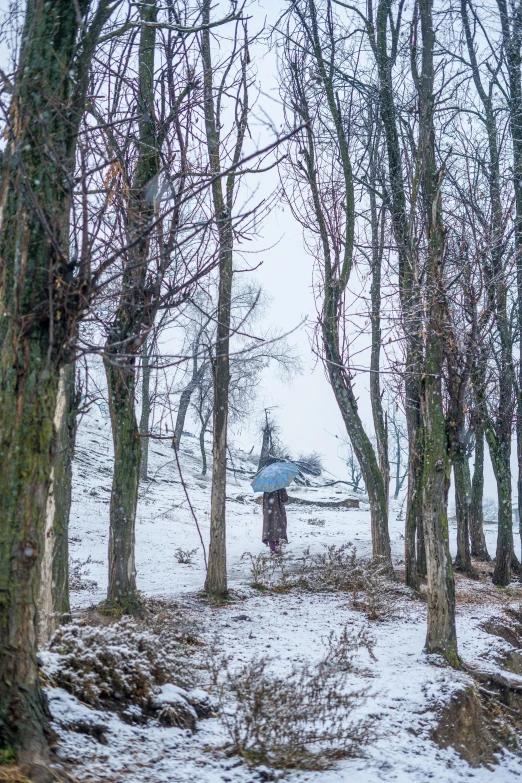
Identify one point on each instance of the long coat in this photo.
(274, 516)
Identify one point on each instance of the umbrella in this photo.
(275, 476)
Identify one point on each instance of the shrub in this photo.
(122, 662)
(185, 556)
(337, 568)
(78, 573)
(261, 568)
(304, 720)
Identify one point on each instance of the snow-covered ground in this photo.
(407, 688)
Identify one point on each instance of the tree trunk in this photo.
(415, 551)
(53, 602)
(500, 457)
(476, 518)
(203, 451)
(40, 305)
(422, 566)
(265, 447)
(462, 509)
(441, 636)
(385, 52)
(380, 423)
(204, 426)
(216, 580)
(511, 26)
(145, 412)
(131, 323)
(184, 402)
(125, 483)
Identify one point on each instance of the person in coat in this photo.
(274, 518)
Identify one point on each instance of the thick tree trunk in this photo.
(145, 412)
(476, 517)
(462, 508)
(27, 406)
(53, 602)
(38, 313)
(125, 483)
(441, 636)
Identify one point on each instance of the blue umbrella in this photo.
(275, 476)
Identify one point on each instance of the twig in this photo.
(191, 509)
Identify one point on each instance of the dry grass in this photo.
(335, 569)
(482, 592)
(13, 774)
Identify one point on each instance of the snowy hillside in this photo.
(407, 691)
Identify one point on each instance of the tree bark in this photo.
(511, 26)
(216, 580)
(128, 331)
(53, 602)
(441, 636)
(476, 518)
(202, 432)
(380, 423)
(499, 451)
(145, 412)
(125, 483)
(40, 304)
(462, 509)
(184, 402)
(265, 446)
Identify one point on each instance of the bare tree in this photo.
(441, 636)
(321, 162)
(223, 195)
(399, 443)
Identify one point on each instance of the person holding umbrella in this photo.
(272, 480)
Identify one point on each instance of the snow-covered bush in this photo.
(121, 662)
(303, 720)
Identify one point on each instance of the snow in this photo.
(406, 687)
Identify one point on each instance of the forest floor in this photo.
(412, 698)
